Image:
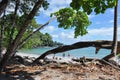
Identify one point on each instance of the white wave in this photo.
(27, 54)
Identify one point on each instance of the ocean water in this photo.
(76, 53)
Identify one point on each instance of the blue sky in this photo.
(100, 29)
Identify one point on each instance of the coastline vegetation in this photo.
(37, 40)
(41, 40)
(18, 29)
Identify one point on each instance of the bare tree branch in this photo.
(31, 34)
(96, 44)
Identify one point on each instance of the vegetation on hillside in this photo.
(40, 40)
(37, 40)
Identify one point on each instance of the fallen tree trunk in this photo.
(108, 56)
(96, 44)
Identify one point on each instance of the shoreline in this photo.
(26, 54)
(52, 70)
(88, 52)
(56, 58)
(59, 58)
(60, 71)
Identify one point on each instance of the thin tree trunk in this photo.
(12, 48)
(13, 22)
(31, 34)
(1, 40)
(115, 29)
(100, 44)
(114, 45)
(1, 36)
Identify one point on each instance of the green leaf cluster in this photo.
(70, 18)
(39, 39)
(88, 6)
(45, 4)
(8, 27)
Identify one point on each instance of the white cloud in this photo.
(49, 29)
(55, 36)
(111, 21)
(55, 6)
(105, 33)
(67, 35)
(112, 11)
(91, 16)
(101, 31)
(61, 2)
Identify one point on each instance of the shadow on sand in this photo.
(19, 75)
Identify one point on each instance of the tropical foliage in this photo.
(89, 6)
(69, 18)
(39, 39)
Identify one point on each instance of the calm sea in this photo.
(76, 53)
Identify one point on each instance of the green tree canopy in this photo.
(97, 6)
(70, 18)
(37, 40)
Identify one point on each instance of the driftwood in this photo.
(83, 60)
(97, 44)
(113, 65)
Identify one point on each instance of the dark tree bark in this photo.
(1, 39)
(97, 44)
(12, 49)
(1, 35)
(1, 42)
(13, 21)
(31, 34)
(114, 46)
(3, 5)
(108, 56)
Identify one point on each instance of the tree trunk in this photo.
(31, 34)
(97, 44)
(12, 48)
(13, 22)
(1, 36)
(3, 5)
(114, 45)
(108, 56)
(1, 40)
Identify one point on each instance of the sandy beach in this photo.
(59, 40)
(59, 70)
